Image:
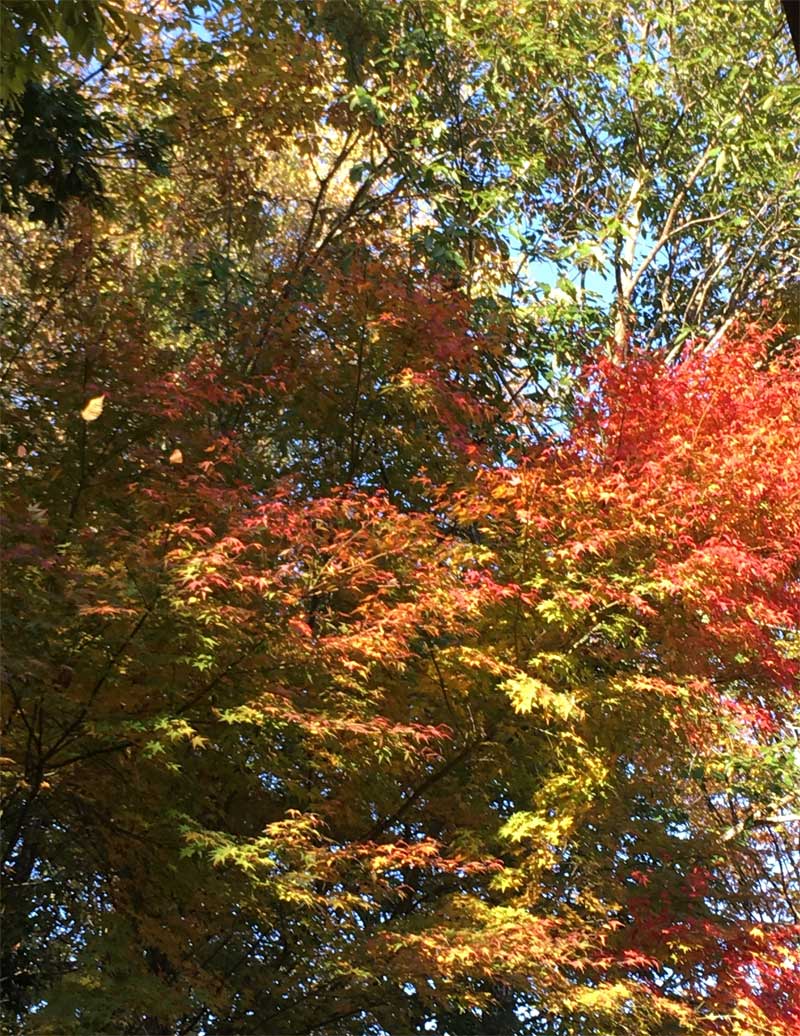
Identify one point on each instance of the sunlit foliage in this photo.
(400, 621)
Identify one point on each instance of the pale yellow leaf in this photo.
(93, 409)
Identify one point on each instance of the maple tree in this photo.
(363, 672)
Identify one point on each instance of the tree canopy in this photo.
(402, 518)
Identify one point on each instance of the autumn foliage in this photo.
(373, 665)
(527, 740)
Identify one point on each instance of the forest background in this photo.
(402, 517)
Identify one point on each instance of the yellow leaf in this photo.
(93, 409)
(527, 693)
(607, 997)
(176, 457)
